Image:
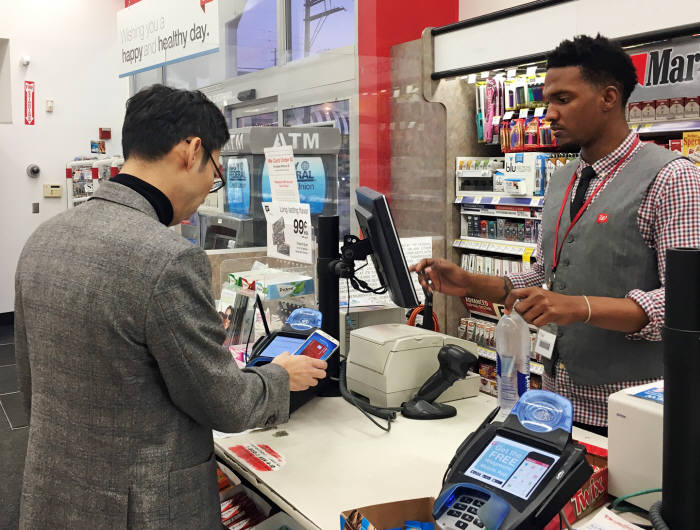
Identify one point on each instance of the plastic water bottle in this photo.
(513, 360)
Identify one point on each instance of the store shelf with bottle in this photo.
(482, 332)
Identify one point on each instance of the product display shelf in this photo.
(487, 353)
(484, 212)
(662, 127)
(496, 198)
(487, 315)
(515, 248)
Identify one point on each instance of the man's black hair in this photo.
(159, 117)
(601, 61)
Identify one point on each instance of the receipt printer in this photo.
(388, 363)
(635, 442)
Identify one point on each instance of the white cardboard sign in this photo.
(282, 172)
(288, 231)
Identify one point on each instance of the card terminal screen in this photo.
(281, 344)
(511, 466)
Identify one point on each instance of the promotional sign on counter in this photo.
(288, 231)
(279, 162)
(153, 33)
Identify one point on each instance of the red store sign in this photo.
(29, 91)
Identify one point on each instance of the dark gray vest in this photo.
(605, 257)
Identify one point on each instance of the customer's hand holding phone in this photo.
(304, 371)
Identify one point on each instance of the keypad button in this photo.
(467, 517)
(461, 525)
(471, 509)
(467, 500)
(478, 503)
(459, 506)
(454, 513)
(478, 523)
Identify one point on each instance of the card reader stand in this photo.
(516, 474)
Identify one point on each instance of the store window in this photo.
(266, 119)
(255, 37)
(147, 78)
(334, 114)
(316, 26)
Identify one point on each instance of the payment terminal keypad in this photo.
(464, 513)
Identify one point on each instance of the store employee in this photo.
(119, 344)
(607, 221)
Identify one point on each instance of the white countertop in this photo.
(336, 459)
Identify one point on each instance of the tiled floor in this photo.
(13, 432)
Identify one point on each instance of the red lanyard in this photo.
(557, 248)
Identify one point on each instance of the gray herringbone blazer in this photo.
(119, 355)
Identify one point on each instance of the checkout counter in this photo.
(335, 460)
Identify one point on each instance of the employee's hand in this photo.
(303, 371)
(437, 274)
(540, 306)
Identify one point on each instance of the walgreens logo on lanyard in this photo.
(664, 67)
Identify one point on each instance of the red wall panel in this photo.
(380, 25)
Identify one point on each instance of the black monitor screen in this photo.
(376, 223)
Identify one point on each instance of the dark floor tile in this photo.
(8, 379)
(14, 408)
(13, 448)
(7, 334)
(7, 354)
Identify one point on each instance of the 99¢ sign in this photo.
(300, 226)
(288, 230)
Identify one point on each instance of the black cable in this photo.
(250, 331)
(365, 408)
(656, 518)
(363, 287)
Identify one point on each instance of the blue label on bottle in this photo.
(523, 383)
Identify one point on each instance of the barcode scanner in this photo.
(455, 362)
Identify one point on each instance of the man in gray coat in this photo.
(118, 341)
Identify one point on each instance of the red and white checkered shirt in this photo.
(668, 216)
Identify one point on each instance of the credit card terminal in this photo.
(514, 474)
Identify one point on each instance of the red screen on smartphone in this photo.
(314, 349)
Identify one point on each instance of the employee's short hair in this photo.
(159, 117)
(602, 62)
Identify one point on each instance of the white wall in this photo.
(485, 43)
(475, 8)
(73, 45)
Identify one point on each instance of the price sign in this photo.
(523, 113)
(288, 231)
(471, 79)
(300, 226)
(539, 111)
(508, 115)
(511, 73)
(531, 70)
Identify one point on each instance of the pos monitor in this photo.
(377, 225)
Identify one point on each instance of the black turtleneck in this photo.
(161, 204)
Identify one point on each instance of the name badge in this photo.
(544, 344)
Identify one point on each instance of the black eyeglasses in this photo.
(219, 180)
